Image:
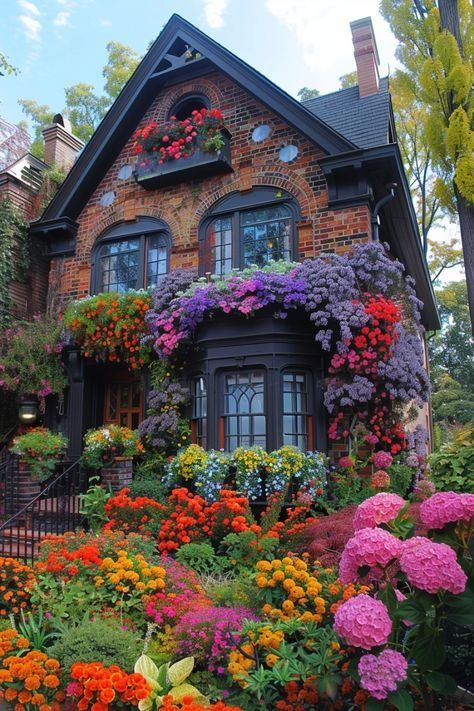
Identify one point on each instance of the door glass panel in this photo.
(112, 399)
(124, 392)
(136, 394)
(124, 419)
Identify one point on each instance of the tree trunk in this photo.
(449, 18)
(466, 226)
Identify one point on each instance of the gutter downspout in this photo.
(374, 220)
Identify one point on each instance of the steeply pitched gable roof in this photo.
(146, 83)
(364, 121)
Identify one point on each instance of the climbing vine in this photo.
(14, 254)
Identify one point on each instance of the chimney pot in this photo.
(366, 56)
(61, 146)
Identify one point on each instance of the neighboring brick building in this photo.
(317, 169)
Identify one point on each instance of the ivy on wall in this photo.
(15, 254)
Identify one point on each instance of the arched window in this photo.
(245, 229)
(131, 256)
(188, 103)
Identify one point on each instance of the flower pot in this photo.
(117, 475)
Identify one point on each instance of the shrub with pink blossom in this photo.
(380, 674)
(382, 460)
(371, 548)
(446, 507)
(380, 480)
(432, 567)
(381, 508)
(209, 633)
(363, 622)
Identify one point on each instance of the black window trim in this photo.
(142, 229)
(189, 97)
(233, 206)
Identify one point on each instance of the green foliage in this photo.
(348, 488)
(401, 477)
(14, 254)
(230, 591)
(40, 449)
(168, 679)
(305, 94)
(348, 80)
(97, 641)
(150, 487)
(201, 558)
(30, 358)
(92, 505)
(37, 629)
(6, 67)
(451, 468)
(245, 549)
(83, 106)
(121, 63)
(452, 358)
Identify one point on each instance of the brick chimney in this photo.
(366, 56)
(60, 145)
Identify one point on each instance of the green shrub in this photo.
(98, 641)
(200, 557)
(401, 477)
(151, 488)
(451, 468)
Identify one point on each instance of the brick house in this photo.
(322, 173)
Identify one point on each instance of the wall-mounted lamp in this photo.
(28, 411)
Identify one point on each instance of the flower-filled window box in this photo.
(197, 147)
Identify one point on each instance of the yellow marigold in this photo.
(264, 566)
(271, 660)
(278, 575)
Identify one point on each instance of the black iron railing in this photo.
(55, 510)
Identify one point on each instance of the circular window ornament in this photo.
(107, 199)
(125, 172)
(260, 133)
(288, 153)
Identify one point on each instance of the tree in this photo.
(84, 108)
(436, 49)
(348, 80)
(305, 94)
(6, 67)
(452, 358)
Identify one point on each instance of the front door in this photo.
(123, 402)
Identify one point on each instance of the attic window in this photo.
(183, 108)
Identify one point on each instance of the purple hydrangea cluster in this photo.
(432, 567)
(380, 674)
(371, 548)
(378, 509)
(363, 622)
(446, 507)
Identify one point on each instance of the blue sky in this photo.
(56, 43)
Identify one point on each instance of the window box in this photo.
(200, 164)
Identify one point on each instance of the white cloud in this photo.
(105, 22)
(323, 34)
(29, 19)
(29, 7)
(62, 19)
(214, 12)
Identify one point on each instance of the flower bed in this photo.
(239, 622)
(41, 450)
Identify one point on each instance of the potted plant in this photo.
(111, 449)
(39, 451)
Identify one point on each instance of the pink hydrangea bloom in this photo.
(363, 622)
(372, 547)
(431, 566)
(380, 508)
(382, 460)
(379, 675)
(445, 507)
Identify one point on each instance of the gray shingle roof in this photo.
(365, 121)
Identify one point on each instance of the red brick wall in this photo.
(27, 297)
(182, 206)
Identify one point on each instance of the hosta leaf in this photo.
(401, 699)
(146, 667)
(443, 683)
(180, 671)
(179, 692)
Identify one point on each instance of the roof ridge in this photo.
(343, 89)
